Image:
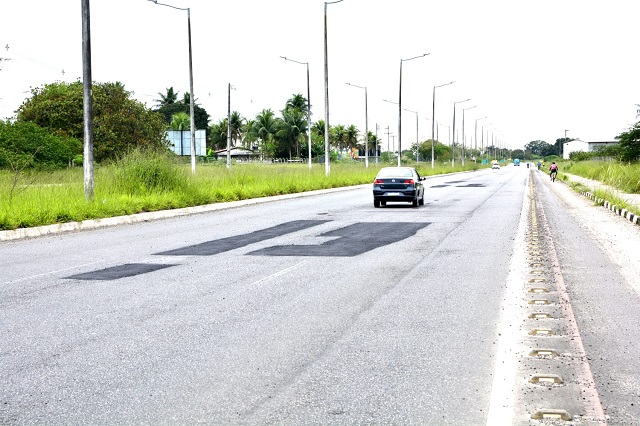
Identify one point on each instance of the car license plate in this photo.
(393, 194)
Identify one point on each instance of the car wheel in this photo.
(415, 203)
(376, 203)
(421, 202)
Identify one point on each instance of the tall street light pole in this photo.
(229, 127)
(453, 132)
(327, 168)
(87, 163)
(394, 103)
(463, 134)
(308, 105)
(417, 152)
(482, 135)
(366, 125)
(400, 108)
(191, 97)
(475, 133)
(433, 120)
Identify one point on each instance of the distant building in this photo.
(578, 145)
(238, 153)
(180, 142)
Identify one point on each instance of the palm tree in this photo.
(249, 133)
(218, 133)
(351, 136)
(169, 98)
(237, 122)
(292, 128)
(180, 121)
(265, 128)
(298, 102)
(338, 136)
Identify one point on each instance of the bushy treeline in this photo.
(49, 127)
(25, 145)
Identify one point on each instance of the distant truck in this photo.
(516, 162)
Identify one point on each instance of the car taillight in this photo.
(378, 182)
(409, 181)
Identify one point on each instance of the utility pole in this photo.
(87, 162)
(388, 146)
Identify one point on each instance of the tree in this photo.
(291, 129)
(298, 102)
(351, 136)
(218, 134)
(167, 99)
(338, 136)
(517, 153)
(237, 123)
(201, 117)
(630, 143)
(180, 121)
(265, 128)
(538, 147)
(120, 123)
(26, 145)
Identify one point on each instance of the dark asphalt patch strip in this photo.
(354, 240)
(120, 271)
(456, 181)
(211, 248)
(439, 186)
(472, 185)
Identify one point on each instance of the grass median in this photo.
(143, 182)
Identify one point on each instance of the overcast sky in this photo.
(534, 69)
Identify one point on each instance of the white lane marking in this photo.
(279, 273)
(51, 272)
(501, 404)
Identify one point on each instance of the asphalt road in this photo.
(321, 310)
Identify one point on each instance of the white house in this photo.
(238, 153)
(582, 146)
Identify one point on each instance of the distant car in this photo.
(402, 184)
(516, 162)
(495, 165)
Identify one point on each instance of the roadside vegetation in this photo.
(41, 154)
(622, 176)
(156, 180)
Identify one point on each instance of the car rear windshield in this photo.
(395, 173)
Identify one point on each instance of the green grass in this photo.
(143, 182)
(625, 177)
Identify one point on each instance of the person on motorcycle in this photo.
(553, 169)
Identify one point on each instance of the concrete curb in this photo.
(39, 231)
(631, 217)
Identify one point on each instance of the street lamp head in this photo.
(442, 85)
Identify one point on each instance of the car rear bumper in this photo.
(382, 195)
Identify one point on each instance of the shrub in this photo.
(27, 145)
(143, 171)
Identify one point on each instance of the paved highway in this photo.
(327, 310)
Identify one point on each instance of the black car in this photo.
(402, 184)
